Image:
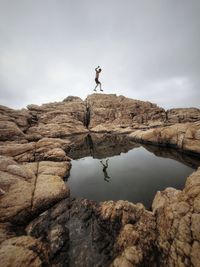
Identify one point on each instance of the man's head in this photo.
(99, 70)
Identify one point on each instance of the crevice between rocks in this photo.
(166, 116)
(87, 115)
(32, 121)
(35, 183)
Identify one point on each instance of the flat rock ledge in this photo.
(42, 225)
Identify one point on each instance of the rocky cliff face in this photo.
(41, 225)
(109, 111)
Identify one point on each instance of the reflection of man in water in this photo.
(105, 166)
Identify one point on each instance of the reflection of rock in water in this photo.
(191, 161)
(89, 143)
(99, 146)
(108, 145)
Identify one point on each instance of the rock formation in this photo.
(178, 224)
(110, 111)
(42, 225)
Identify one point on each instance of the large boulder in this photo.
(107, 110)
(13, 123)
(182, 115)
(184, 136)
(24, 190)
(10, 131)
(45, 149)
(134, 242)
(20, 152)
(58, 119)
(178, 224)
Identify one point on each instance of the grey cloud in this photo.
(48, 50)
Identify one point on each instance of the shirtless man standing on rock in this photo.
(98, 70)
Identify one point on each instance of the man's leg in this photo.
(100, 86)
(95, 87)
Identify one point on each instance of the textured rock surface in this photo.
(101, 113)
(135, 240)
(23, 251)
(82, 233)
(183, 115)
(184, 136)
(44, 149)
(34, 144)
(110, 110)
(178, 224)
(25, 190)
(57, 119)
(13, 123)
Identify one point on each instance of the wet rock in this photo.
(73, 235)
(50, 227)
(111, 233)
(89, 234)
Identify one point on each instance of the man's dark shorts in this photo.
(97, 81)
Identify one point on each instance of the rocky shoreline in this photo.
(41, 224)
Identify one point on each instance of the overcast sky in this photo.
(148, 50)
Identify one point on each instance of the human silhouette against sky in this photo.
(98, 70)
(105, 166)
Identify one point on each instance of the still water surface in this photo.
(135, 175)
